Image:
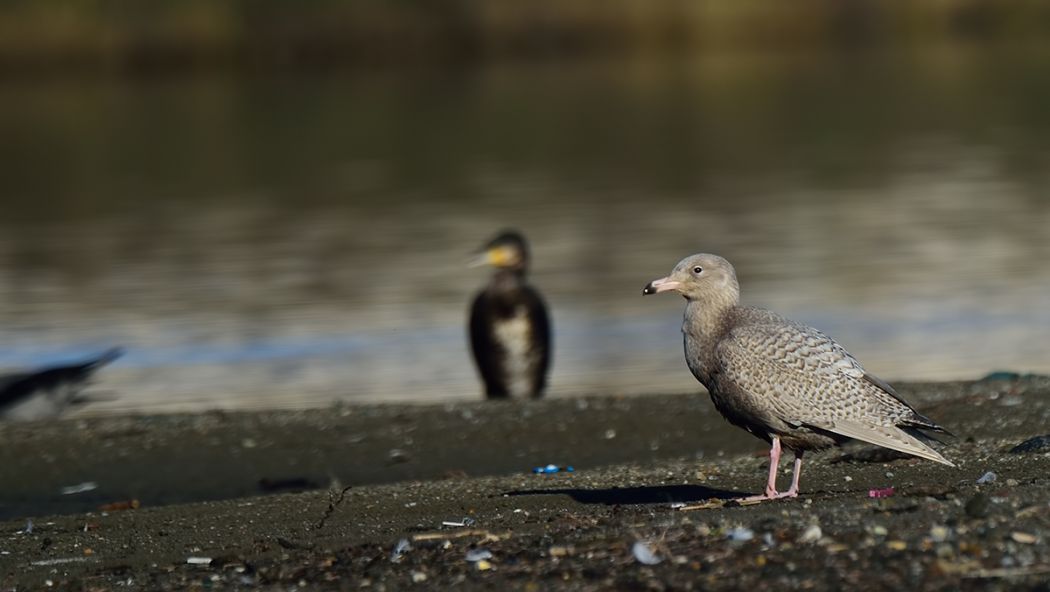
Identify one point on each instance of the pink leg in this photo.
(793, 491)
(771, 484)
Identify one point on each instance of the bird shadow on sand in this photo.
(656, 494)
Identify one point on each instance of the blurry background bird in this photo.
(509, 327)
(48, 392)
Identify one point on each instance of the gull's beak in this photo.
(661, 285)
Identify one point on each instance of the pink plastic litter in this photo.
(880, 492)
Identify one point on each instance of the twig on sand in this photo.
(332, 505)
(711, 504)
(1009, 572)
(485, 535)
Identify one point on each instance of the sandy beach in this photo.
(393, 497)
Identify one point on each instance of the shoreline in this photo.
(412, 468)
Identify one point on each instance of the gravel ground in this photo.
(442, 496)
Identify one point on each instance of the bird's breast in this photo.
(515, 336)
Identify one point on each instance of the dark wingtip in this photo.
(648, 289)
(108, 356)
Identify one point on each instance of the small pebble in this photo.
(483, 565)
(986, 478)
(644, 554)
(610, 434)
(740, 534)
(897, 545)
(939, 534)
(475, 555)
(1012, 483)
(812, 534)
(1023, 537)
(560, 551)
(418, 576)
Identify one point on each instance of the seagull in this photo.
(510, 333)
(782, 381)
(46, 393)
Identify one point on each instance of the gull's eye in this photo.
(698, 269)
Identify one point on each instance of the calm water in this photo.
(259, 242)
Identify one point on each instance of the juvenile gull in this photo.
(509, 326)
(785, 382)
(46, 393)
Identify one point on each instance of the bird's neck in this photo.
(709, 316)
(703, 326)
(507, 281)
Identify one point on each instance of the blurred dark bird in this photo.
(47, 393)
(785, 382)
(510, 330)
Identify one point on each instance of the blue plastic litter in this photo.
(552, 468)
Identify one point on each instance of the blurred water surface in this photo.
(267, 242)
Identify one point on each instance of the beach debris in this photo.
(483, 565)
(198, 560)
(132, 504)
(403, 546)
(60, 560)
(553, 468)
(464, 522)
(986, 478)
(485, 535)
(79, 488)
(768, 540)
(881, 492)
(334, 501)
(1036, 444)
(396, 456)
(29, 527)
(740, 534)
(476, 555)
(645, 554)
(1023, 537)
(812, 534)
(610, 434)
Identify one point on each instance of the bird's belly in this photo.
(514, 335)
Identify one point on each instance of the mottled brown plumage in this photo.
(783, 381)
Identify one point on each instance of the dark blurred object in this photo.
(509, 325)
(47, 393)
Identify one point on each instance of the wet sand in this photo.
(252, 500)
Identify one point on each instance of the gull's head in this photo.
(702, 277)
